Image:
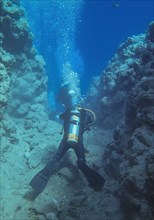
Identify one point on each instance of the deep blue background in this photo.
(104, 28)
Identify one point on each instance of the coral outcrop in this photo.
(15, 29)
(23, 101)
(125, 93)
(132, 62)
(23, 79)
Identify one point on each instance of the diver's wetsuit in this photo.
(95, 180)
(78, 148)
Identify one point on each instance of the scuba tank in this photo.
(74, 127)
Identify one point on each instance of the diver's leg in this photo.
(40, 180)
(63, 147)
(80, 152)
(95, 180)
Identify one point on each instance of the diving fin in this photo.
(39, 182)
(95, 180)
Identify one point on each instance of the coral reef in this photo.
(4, 89)
(125, 93)
(132, 61)
(23, 79)
(14, 28)
(22, 102)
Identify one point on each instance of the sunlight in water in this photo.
(55, 23)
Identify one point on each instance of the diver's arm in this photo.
(64, 115)
(87, 122)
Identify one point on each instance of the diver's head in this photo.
(66, 96)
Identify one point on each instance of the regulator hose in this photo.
(93, 114)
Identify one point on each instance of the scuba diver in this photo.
(76, 122)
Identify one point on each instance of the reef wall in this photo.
(130, 64)
(125, 93)
(23, 78)
(23, 109)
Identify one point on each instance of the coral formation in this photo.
(125, 92)
(133, 60)
(4, 89)
(14, 28)
(23, 73)
(23, 97)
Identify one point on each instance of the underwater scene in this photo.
(76, 110)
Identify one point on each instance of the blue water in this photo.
(105, 27)
(54, 25)
(79, 37)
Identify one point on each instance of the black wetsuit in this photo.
(78, 148)
(95, 180)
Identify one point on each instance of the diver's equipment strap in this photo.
(94, 116)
